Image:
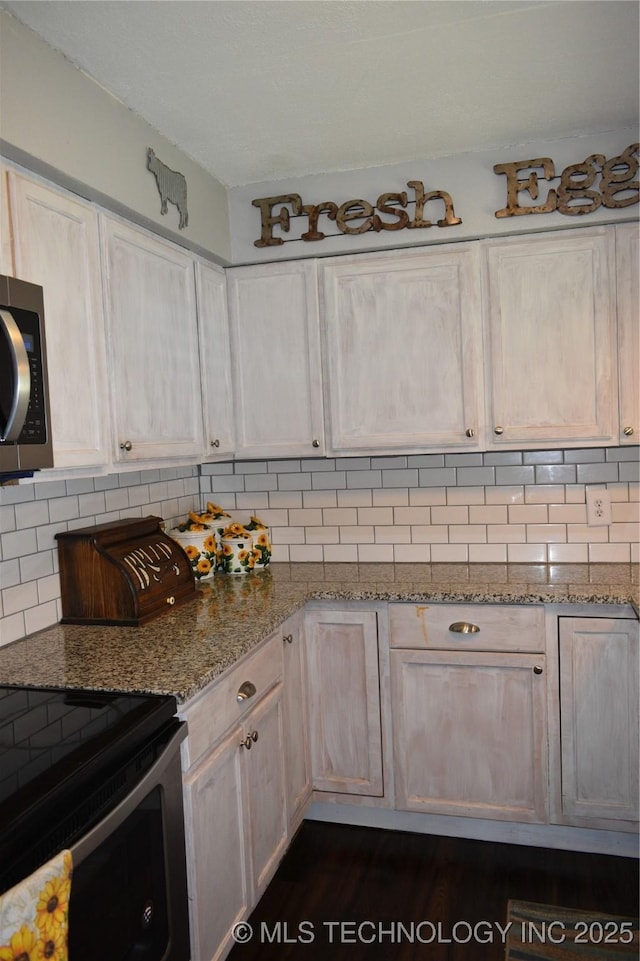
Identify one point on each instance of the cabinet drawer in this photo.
(217, 708)
(501, 627)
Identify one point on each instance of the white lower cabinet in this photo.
(599, 720)
(470, 733)
(296, 731)
(344, 701)
(469, 708)
(234, 793)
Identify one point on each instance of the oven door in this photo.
(129, 888)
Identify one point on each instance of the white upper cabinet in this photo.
(56, 245)
(403, 350)
(275, 346)
(153, 346)
(215, 361)
(627, 264)
(552, 378)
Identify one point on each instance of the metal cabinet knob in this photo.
(463, 627)
(245, 691)
(498, 430)
(215, 443)
(315, 443)
(537, 669)
(249, 740)
(287, 638)
(628, 431)
(470, 432)
(171, 600)
(126, 445)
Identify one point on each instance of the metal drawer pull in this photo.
(287, 638)
(628, 431)
(537, 669)
(249, 740)
(245, 691)
(463, 627)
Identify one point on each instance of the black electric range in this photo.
(66, 757)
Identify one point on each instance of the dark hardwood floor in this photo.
(354, 893)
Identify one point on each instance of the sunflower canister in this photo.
(198, 539)
(261, 542)
(236, 550)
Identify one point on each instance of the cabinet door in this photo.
(404, 350)
(627, 263)
(552, 376)
(344, 701)
(215, 361)
(599, 717)
(153, 339)
(296, 745)
(273, 311)
(470, 735)
(265, 822)
(216, 855)
(56, 245)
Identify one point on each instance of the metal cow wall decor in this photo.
(171, 185)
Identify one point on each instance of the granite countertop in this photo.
(181, 651)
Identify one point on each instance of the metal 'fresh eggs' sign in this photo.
(584, 187)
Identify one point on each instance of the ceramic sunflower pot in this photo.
(261, 542)
(200, 547)
(236, 554)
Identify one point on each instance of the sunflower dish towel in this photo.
(34, 915)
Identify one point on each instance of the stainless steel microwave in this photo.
(25, 424)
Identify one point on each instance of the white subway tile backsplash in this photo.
(20, 597)
(506, 533)
(326, 499)
(496, 507)
(12, 627)
(357, 498)
(568, 554)
(504, 495)
(527, 553)
(375, 515)
(37, 618)
(609, 553)
(306, 517)
(18, 543)
(390, 497)
(412, 515)
(528, 514)
(428, 496)
(487, 553)
(7, 518)
(393, 534)
(356, 535)
(547, 533)
(450, 515)
(322, 535)
(31, 514)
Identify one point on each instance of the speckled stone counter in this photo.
(181, 651)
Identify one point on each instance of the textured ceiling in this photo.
(258, 90)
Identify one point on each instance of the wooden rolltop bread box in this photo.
(125, 572)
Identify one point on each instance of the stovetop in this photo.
(59, 747)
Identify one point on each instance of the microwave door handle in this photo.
(21, 378)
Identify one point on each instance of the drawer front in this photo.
(446, 627)
(217, 708)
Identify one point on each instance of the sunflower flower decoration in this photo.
(261, 542)
(34, 915)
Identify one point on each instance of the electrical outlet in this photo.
(598, 507)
